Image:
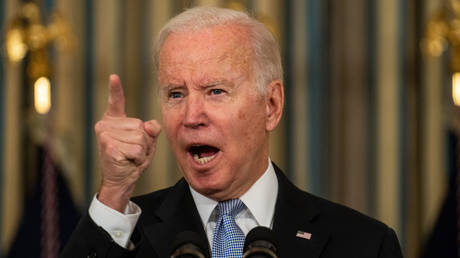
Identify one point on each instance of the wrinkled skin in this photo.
(209, 98)
(126, 148)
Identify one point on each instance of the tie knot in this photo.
(230, 207)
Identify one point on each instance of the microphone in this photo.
(189, 244)
(260, 243)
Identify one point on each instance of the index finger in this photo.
(116, 101)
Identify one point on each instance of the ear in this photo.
(274, 101)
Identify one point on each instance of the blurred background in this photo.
(371, 117)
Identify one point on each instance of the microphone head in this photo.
(260, 242)
(189, 244)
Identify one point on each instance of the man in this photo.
(221, 94)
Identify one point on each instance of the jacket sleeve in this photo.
(390, 247)
(90, 240)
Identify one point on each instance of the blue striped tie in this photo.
(228, 239)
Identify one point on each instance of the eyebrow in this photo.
(213, 83)
(169, 87)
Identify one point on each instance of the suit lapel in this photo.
(177, 213)
(295, 211)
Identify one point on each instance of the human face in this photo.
(214, 117)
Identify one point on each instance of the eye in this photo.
(175, 94)
(217, 91)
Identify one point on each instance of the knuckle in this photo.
(110, 149)
(118, 158)
(138, 136)
(138, 151)
(137, 123)
(113, 153)
(99, 126)
(103, 138)
(154, 127)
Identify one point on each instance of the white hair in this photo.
(266, 54)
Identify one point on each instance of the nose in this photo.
(195, 113)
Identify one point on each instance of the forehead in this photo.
(221, 48)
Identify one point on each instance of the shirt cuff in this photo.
(120, 226)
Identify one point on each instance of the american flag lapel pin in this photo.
(303, 234)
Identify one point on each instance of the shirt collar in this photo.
(260, 199)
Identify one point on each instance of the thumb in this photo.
(116, 101)
(153, 128)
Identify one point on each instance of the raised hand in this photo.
(126, 148)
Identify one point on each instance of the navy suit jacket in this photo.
(336, 231)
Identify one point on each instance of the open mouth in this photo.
(203, 153)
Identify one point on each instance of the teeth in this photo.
(203, 160)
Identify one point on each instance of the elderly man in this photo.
(221, 94)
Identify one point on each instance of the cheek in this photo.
(241, 115)
(243, 120)
(251, 125)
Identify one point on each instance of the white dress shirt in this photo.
(120, 226)
(260, 202)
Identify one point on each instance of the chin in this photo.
(207, 186)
